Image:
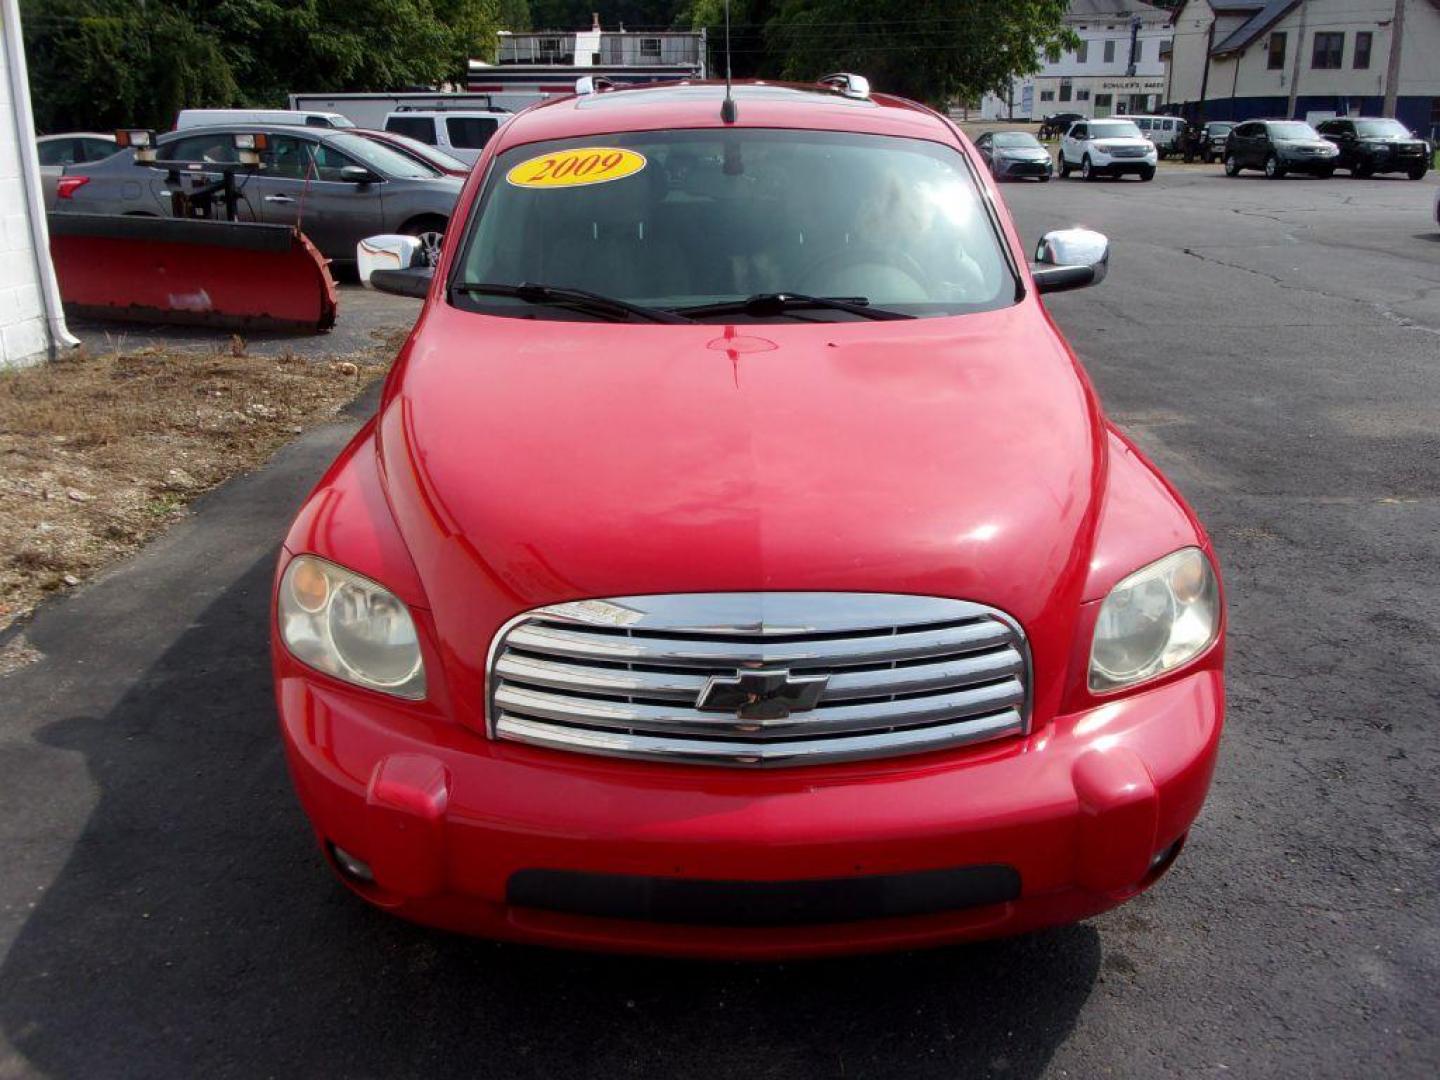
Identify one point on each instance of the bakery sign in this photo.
(1133, 86)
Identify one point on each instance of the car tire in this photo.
(1147, 173)
(1064, 168)
(430, 231)
(1361, 172)
(1087, 170)
(1325, 174)
(1273, 169)
(1416, 172)
(1232, 165)
(1045, 179)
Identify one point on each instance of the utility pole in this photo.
(1295, 69)
(1205, 75)
(1392, 70)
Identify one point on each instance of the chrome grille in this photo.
(732, 678)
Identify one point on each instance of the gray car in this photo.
(337, 186)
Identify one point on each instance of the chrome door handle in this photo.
(279, 199)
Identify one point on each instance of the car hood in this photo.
(532, 462)
(1122, 140)
(1029, 153)
(1304, 144)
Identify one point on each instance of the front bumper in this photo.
(1311, 163)
(1393, 159)
(1118, 166)
(1078, 817)
(1015, 168)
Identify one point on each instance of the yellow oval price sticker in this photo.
(576, 168)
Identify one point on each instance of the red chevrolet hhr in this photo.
(740, 562)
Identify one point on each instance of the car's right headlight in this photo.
(1155, 620)
(347, 626)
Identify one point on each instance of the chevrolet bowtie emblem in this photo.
(762, 695)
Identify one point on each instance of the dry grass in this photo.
(97, 454)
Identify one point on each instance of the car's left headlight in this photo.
(347, 626)
(1155, 620)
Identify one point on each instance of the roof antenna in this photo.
(728, 113)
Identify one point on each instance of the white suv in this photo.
(461, 133)
(1110, 147)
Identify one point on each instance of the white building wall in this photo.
(30, 320)
(1093, 74)
(1247, 75)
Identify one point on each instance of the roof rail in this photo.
(843, 82)
(592, 84)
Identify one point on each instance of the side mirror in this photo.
(357, 174)
(1070, 259)
(393, 264)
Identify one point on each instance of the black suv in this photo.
(1370, 145)
(1278, 147)
(1206, 143)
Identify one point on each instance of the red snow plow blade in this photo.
(209, 273)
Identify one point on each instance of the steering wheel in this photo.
(851, 258)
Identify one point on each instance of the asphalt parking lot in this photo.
(1274, 345)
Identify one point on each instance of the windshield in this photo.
(1220, 129)
(677, 219)
(1293, 129)
(1122, 129)
(1022, 139)
(425, 152)
(382, 159)
(1381, 129)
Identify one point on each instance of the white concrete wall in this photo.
(24, 329)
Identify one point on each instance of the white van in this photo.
(1163, 131)
(189, 118)
(461, 133)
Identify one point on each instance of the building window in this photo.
(1064, 89)
(1082, 52)
(1082, 95)
(1276, 61)
(1110, 51)
(550, 45)
(1329, 51)
(1362, 48)
(650, 47)
(1047, 95)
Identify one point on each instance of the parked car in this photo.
(1108, 147)
(1056, 124)
(1166, 132)
(1015, 154)
(717, 578)
(461, 133)
(69, 148)
(1207, 141)
(1278, 147)
(337, 186)
(1370, 145)
(189, 118)
(414, 148)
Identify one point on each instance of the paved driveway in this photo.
(1276, 346)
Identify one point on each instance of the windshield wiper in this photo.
(579, 299)
(781, 303)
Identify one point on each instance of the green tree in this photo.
(107, 63)
(931, 50)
